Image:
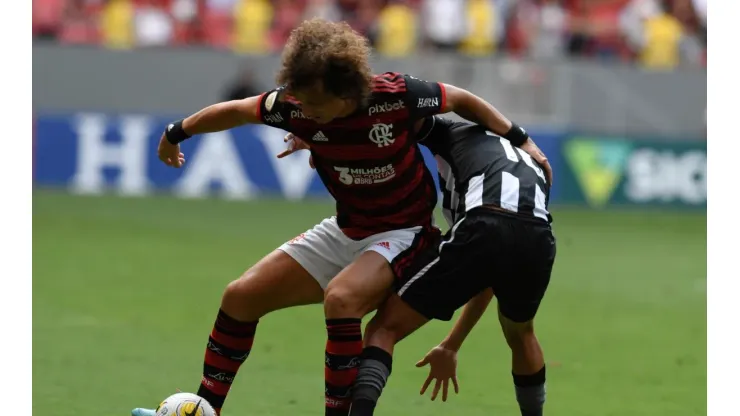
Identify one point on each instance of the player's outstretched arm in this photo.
(223, 116)
(442, 359)
(470, 316)
(477, 110)
(218, 117)
(473, 108)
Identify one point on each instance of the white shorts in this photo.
(325, 250)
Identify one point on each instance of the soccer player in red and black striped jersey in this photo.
(366, 159)
(360, 127)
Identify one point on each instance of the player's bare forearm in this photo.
(223, 116)
(475, 109)
(470, 316)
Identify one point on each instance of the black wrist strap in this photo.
(516, 135)
(174, 133)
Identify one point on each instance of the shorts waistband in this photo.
(495, 210)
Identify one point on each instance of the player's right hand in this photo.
(531, 148)
(170, 153)
(295, 144)
(443, 368)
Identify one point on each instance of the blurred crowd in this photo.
(657, 34)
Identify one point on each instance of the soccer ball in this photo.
(185, 404)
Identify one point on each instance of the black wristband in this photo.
(516, 135)
(175, 134)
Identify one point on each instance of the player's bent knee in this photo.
(517, 333)
(359, 288)
(275, 282)
(252, 296)
(340, 301)
(241, 300)
(394, 321)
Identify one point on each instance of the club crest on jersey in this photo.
(385, 107)
(428, 102)
(382, 134)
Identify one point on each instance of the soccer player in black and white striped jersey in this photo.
(495, 199)
(489, 170)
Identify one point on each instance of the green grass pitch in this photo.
(125, 292)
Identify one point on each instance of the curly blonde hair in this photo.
(332, 53)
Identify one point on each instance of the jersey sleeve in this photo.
(424, 98)
(428, 135)
(438, 134)
(273, 111)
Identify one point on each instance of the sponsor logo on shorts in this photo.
(385, 107)
(365, 176)
(428, 102)
(297, 238)
(386, 245)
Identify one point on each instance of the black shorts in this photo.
(512, 255)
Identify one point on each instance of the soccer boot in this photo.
(143, 412)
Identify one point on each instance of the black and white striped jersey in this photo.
(477, 167)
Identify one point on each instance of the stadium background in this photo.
(130, 257)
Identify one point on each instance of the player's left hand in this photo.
(170, 153)
(443, 368)
(295, 144)
(531, 148)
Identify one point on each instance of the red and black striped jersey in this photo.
(369, 161)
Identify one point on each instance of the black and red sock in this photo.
(342, 361)
(228, 346)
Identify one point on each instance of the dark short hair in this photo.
(332, 53)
